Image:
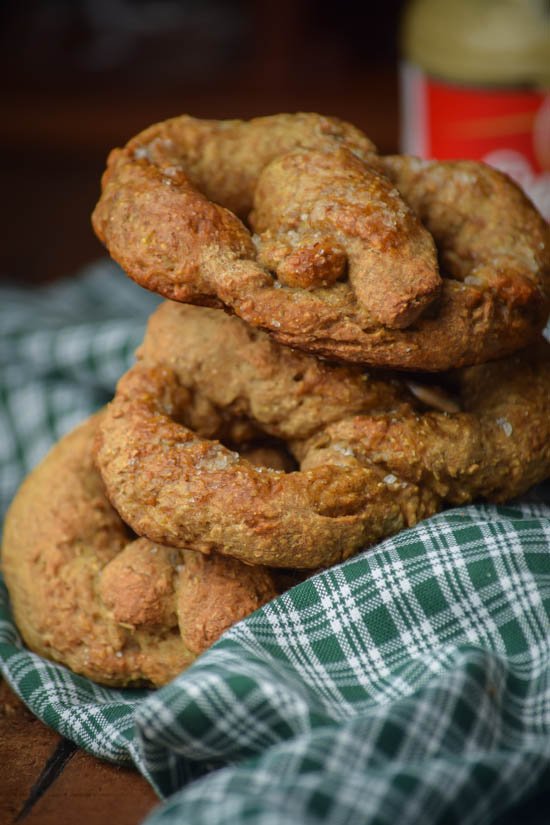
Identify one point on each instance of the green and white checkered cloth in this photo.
(409, 685)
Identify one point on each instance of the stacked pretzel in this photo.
(228, 459)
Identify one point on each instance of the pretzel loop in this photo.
(344, 260)
(375, 454)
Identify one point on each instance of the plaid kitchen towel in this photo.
(409, 685)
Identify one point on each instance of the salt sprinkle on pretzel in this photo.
(122, 611)
(341, 265)
(178, 488)
(372, 459)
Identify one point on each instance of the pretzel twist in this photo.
(121, 611)
(372, 459)
(341, 264)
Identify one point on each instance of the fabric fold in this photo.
(409, 684)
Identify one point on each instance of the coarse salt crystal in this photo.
(505, 426)
(343, 448)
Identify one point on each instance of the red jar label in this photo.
(508, 128)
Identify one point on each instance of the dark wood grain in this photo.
(82, 789)
(51, 771)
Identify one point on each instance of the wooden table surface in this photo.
(46, 780)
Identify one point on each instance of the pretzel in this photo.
(490, 440)
(174, 485)
(120, 611)
(340, 264)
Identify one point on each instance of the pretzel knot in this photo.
(119, 610)
(343, 261)
(374, 454)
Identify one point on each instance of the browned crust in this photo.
(372, 458)
(181, 489)
(305, 201)
(158, 220)
(121, 612)
(495, 446)
(242, 380)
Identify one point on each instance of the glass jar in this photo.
(475, 81)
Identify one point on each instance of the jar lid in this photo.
(480, 41)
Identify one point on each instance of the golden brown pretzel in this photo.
(486, 231)
(317, 212)
(119, 610)
(154, 204)
(179, 488)
(494, 444)
(174, 485)
(340, 263)
(493, 245)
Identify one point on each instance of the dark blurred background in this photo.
(81, 76)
